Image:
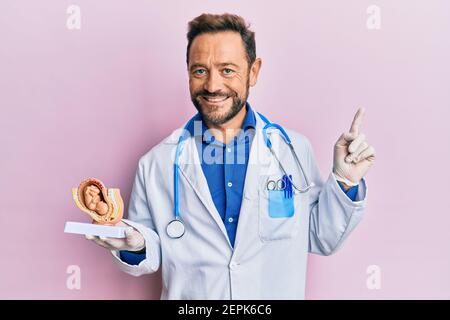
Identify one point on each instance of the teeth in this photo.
(215, 99)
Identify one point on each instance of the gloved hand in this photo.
(134, 240)
(353, 156)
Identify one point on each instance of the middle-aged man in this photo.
(225, 206)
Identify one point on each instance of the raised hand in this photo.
(353, 156)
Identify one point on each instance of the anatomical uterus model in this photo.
(105, 206)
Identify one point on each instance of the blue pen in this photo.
(285, 186)
(290, 186)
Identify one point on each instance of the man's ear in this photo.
(254, 71)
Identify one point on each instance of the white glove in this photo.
(134, 240)
(353, 156)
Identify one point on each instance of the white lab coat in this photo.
(270, 254)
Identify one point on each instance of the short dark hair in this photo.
(212, 23)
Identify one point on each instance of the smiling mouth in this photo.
(214, 99)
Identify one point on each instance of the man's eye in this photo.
(200, 72)
(227, 71)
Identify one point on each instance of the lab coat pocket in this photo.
(278, 215)
(280, 206)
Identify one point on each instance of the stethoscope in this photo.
(175, 229)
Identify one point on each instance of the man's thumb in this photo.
(128, 232)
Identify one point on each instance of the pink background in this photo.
(90, 102)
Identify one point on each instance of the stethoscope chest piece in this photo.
(175, 229)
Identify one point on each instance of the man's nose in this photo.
(214, 82)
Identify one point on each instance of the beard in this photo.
(209, 114)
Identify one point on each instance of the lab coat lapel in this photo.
(190, 167)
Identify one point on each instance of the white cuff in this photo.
(361, 196)
(344, 180)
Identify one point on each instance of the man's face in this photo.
(219, 77)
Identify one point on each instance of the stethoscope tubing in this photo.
(268, 125)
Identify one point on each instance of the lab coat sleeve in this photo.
(333, 215)
(140, 217)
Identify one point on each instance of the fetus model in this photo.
(93, 201)
(105, 206)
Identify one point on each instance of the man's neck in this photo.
(227, 131)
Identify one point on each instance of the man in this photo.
(250, 214)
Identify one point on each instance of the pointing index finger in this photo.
(357, 120)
